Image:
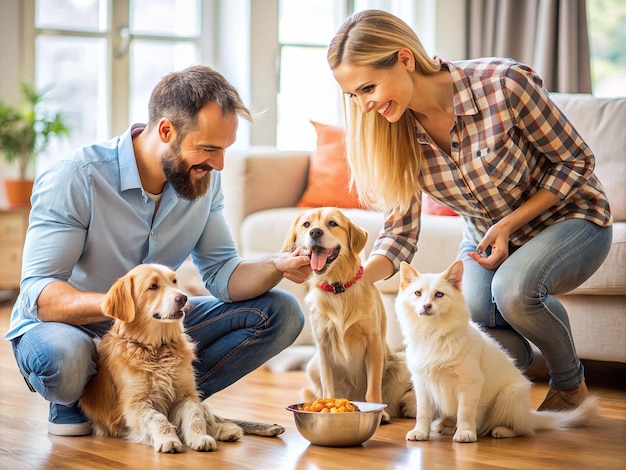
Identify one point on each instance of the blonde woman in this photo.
(483, 138)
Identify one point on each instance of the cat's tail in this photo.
(584, 414)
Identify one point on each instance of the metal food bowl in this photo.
(338, 429)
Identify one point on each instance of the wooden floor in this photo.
(262, 396)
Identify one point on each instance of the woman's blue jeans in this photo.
(516, 302)
(232, 339)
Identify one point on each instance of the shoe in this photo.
(66, 421)
(562, 400)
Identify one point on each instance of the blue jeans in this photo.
(232, 340)
(516, 302)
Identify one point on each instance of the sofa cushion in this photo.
(329, 177)
(601, 123)
(610, 278)
(250, 181)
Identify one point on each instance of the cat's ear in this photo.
(407, 274)
(454, 274)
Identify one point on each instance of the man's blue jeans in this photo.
(232, 339)
(516, 302)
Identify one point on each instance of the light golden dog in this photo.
(352, 359)
(145, 389)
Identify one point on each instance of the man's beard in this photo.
(179, 176)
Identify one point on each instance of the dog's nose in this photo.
(181, 299)
(316, 233)
(427, 307)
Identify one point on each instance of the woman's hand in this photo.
(497, 237)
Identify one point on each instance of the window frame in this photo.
(118, 66)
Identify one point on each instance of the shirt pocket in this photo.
(506, 166)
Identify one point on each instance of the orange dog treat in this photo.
(329, 405)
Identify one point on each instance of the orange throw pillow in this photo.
(328, 171)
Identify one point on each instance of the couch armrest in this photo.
(261, 178)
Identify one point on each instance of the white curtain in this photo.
(549, 35)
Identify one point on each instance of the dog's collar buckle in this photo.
(338, 287)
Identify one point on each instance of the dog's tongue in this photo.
(318, 259)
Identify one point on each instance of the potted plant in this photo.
(25, 131)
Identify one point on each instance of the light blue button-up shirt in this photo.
(91, 222)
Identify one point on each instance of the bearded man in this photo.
(150, 195)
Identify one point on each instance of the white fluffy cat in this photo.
(459, 372)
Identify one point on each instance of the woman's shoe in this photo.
(561, 400)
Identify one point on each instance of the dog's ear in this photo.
(292, 237)
(407, 274)
(454, 274)
(357, 238)
(118, 302)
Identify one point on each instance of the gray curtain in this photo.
(549, 35)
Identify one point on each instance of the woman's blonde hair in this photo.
(384, 157)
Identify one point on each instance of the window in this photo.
(103, 57)
(607, 37)
(307, 89)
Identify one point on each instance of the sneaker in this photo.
(562, 400)
(66, 421)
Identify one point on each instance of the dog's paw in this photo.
(465, 435)
(228, 432)
(501, 432)
(385, 418)
(204, 443)
(167, 445)
(417, 435)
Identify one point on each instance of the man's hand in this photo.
(255, 277)
(295, 267)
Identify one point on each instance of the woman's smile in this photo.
(384, 111)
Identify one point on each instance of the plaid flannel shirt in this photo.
(508, 141)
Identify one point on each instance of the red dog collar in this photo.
(338, 287)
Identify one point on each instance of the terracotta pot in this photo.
(18, 192)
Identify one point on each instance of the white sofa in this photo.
(262, 186)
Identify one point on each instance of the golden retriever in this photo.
(145, 390)
(459, 372)
(347, 316)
